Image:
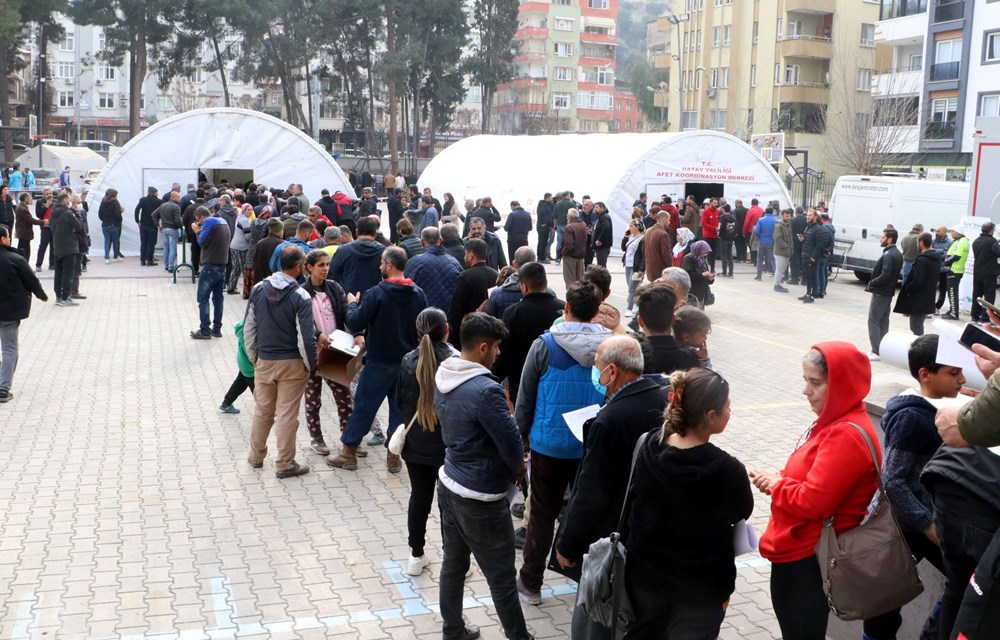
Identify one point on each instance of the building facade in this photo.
(801, 67)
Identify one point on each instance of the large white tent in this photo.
(79, 159)
(613, 168)
(213, 141)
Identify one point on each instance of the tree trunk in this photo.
(487, 93)
(370, 141)
(390, 45)
(137, 72)
(416, 119)
(431, 135)
(222, 66)
(8, 143)
(309, 101)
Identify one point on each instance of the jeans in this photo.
(314, 402)
(543, 243)
(240, 384)
(211, 284)
(953, 280)
(559, 238)
(822, 274)
(965, 527)
(24, 247)
(64, 276)
(377, 382)
(147, 244)
(632, 286)
(8, 353)
(549, 479)
(780, 267)
(484, 529)
(798, 599)
(601, 253)
(654, 616)
(907, 267)
(985, 287)
(885, 626)
(170, 239)
(278, 393)
(726, 253)
(878, 319)
(765, 258)
(423, 479)
(112, 242)
(44, 243)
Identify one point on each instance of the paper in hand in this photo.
(343, 341)
(575, 419)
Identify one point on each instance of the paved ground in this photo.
(127, 508)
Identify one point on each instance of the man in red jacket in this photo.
(753, 215)
(675, 217)
(710, 230)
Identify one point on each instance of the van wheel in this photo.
(863, 276)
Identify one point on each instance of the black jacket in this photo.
(818, 242)
(65, 227)
(489, 215)
(423, 446)
(526, 321)
(456, 249)
(595, 504)
(495, 256)
(604, 232)
(518, 226)
(7, 208)
(668, 356)
(110, 213)
(17, 284)
(700, 285)
(389, 313)
(985, 251)
(639, 259)
(330, 209)
(919, 290)
(799, 224)
(144, 210)
(886, 272)
(544, 213)
(471, 290)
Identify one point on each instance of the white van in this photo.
(861, 206)
(100, 146)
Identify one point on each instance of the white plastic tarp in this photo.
(79, 159)
(175, 149)
(613, 168)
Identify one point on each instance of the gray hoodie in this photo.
(278, 324)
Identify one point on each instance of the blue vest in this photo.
(565, 386)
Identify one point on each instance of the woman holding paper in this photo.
(687, 495)
(329, 305)
(829, 475)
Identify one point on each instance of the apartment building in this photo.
(564, 73)
(942, 58)
(801, 67)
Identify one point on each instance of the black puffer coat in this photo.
(423, 447)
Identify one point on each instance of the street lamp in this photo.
(663, 88)
(676, 21)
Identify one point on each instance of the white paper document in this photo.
(744, 538)
(575, 419)
(343, 341)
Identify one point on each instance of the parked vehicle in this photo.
(45, 178)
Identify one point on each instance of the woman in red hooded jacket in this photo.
(831, 474)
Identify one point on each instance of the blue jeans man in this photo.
(170, 239)
(377, 382)
(559, 240)
(112, 242)
(822, 274)
(211, 283)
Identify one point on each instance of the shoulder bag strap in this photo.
(628, 487)
(878, 472)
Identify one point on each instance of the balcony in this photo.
(531, 33)
(662, 61)
(940, 131)
(810, 6)
(902, 30)
(898, 82)
(598, 38)
(945, 71)
(533, 7)
(801, 46)
(948, 11)
(530, 56)
(809, 92)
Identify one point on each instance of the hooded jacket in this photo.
(278, 324)
(684, 503)
(765, 228)
(17, 284)
(555, 380)
(356, 265)
(228, 213)
(65, 227)
(832, 473)
(783, 244)
(483, 449)
(388, 313)
(422, 446)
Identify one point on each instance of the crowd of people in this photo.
(480, 362)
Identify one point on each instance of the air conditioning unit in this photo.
(98, 82)
(711, 93)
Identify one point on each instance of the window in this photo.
(596, 4)
(991, 48)
(606, 76)
(864, 80)
(867, 35)
(916, 61)
(560, 101)
(724, 78)
(198, 75)
(593, 100)
(68, 42)
(781, 28)
(102, 41)
(717, 119)
(142, 102)
(716, 37)
(562, 24)
(105, 71)
(685, 81)
(715, 79)
(64, 70)
(65, 98)
(163, 103)
(564, 73)
(718, 3)
(689, 120)
(948, 51)
(564, 3)
(699, 39)
(687, 41)
(794, 28)
(697, 80)
(727, 35)
(106, 100)
(729, 1)
(753, 75)
(777, 73)
(792, 74)
(990, 105)
(628, 124)
(756, 31)
(628, 105)
(563, 49)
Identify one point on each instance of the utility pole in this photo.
(42, 72)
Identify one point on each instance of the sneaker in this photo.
(5, 396)
(77, 296)
(60, 303)
(529, 596)
(519, 536)
(628, 313)
(69, 302)
(294, 469)
(517, 510)
(216, 334)
(757, 277)
(376, 440)
(949, 316)
(780, 289)
(320, 447)
(416, 565)
(38, 269)
(256, 464)
(198, 335)
(108, 261)
(808, 299)
(230, 409)
(874, 357)
(471, 632)
(803, 297)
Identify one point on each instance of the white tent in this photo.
(216, 141)
(79, 159)
(613, 168)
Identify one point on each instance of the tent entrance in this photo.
(235, 177)
(702, 190)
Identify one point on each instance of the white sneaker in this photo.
(107, 262)
(628, 314)
(416, 565)
(874, 357)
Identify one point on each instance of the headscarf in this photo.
(247, 211)
(699, 250)
(684, 236)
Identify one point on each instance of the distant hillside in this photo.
(632, 18)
